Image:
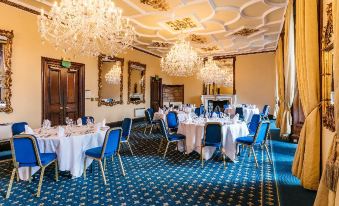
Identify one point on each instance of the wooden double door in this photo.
(62, 91)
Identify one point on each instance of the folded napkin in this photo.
(61, 132)
(79, 121)
(28, 130)
(161, 111)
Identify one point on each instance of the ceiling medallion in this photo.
(181, 24)
(198, 39)
(161, 5)
(158, 44)
(181, 60)
(210, 49)
(245, 32)
(113, 76)
(90, 28)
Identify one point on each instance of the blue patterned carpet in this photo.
(152, 180)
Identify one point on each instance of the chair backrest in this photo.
(151, 112)
(172, 120)
(240, 111)
(265, 110)
(202, 109)
(163, 128)
(226, 106)
(197, 111)
(255, 121)
(262, 132)
(18, 128)
(25, 150)
(112, 141)
(213, 132)
(84, 119)
(148, 116)
(126, 127)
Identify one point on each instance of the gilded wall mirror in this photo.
(6, 41)
(110, 82)
(136, 82)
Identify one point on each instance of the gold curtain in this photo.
(289, 70)
(279, 62)
(306, 164)
(326, 197)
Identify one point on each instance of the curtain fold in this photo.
(289, 71)
(325, 196)
(279, 62)
(306, 163)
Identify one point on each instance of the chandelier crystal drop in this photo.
(87, 27)
(182, 60)
(114, 75)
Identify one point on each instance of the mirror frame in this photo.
(8, 73)
(100, 62)
(143, 89)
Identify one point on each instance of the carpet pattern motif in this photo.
(152, 180)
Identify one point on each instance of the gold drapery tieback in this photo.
(332, 167)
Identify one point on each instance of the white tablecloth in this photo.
(249, 112)
(5, 131)
(194, 134)
(70, 150)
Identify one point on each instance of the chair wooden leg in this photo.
(102, 171)
(56, 171)
(121, 165)
(268, 154)
(160, 145)
(29, 174)
(112, 158)
(130, 148)
(224, 160)
(85, 167)
(166, 149)
(17, 175)
(202, 157)
(177, 146)
(105, 163)
(145, 129)
(255, 156)
(150, 131)
(249, 152)
(10, 183)
(40, 181)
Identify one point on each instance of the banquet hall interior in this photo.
(169, 102)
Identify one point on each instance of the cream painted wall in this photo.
(254, 74)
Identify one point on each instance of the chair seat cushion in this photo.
(5, 155)
(176, 137)
(96, 152)
(45, 158)
(213, 144)
(245, 140)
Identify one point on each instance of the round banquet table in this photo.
(182, 116)
(70, 148)
(194, 133)
(248, 112)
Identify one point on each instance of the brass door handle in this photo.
(61, 108)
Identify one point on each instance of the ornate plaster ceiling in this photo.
(219, 27)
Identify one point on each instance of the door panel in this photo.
(156, 93)
(63, 91)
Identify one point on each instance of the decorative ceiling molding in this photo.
(245, 32)
(198, 39)
(215, 20)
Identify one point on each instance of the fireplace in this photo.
(211, 101)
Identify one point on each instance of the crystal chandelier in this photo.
(181, 60)
(87, 27)
(211, 73)
(114, 74)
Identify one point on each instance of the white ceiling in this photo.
(214, 23)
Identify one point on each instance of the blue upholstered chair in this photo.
(18, 128)
(254, 123)
(212, 138)
(126, 132)
(109, 148)
(265, 112)
(149, 120)
(197, 111)
(84, 119)
(240, 112)
(26, 153)
(151, 112)
(169, 137)
(202, 109)
(172, 121)
(5, 151)
(260, 138)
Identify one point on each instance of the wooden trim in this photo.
(19, 6)
(146, 52)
